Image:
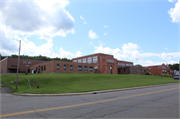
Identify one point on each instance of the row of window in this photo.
(89, 60)
(123, 64)
(42, 68)
(24, 62)
(79, 68)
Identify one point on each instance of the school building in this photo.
(160, 69)
(9, 65)
(94, 63)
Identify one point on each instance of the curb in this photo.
(93, 92)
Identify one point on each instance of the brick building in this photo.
(137, 69)
(9, 65)
(160, 69)
(56, 66)
(103, 63)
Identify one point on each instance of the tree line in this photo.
(45, 58)
(174, 66)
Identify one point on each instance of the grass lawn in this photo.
(68, 83)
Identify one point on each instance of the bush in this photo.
(166, 75)
(147, 73)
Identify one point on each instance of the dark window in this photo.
(124, 70)
(85, 68)
(79, 68)
(64, 67)
(71, 68)
(41, 68)
(44, 67)
(90, 68)
(57, 66)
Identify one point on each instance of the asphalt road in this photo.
(155, 102)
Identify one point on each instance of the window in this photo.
(79, 60)
(57, 66)
(89, 60)
(149, 68)
(74, 60)
(64, 67)
(110, 60)
(162, 71)
(29, 62)
(41, 68)
(44, 67)
(121, 64)
(84, 60)
(127, 65)
(85, 68)
(71, 67)
(95, 59)
(79, 68)
(95, 68)
(90, 68)
(132, 70)
(163, 67)
(124, 70)
(24, 62)
(130, 64)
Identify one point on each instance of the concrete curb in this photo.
(92, 92)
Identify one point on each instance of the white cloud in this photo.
(127, 51)
(84, 21)
(78, 54)
(105, 26)
(131, 51)
(8, 46)
(92, 35)
(106, 33)
(175, 12)
(45, 18)
(66, 54)
(164, 56)
(172, 0)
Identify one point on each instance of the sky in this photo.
(145, 32)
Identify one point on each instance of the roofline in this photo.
(28, 59)
(3, 59)
(124, 61)
(92, 54)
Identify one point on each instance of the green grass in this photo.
(68, 83)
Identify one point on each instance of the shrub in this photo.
(166, 75)
(147, 73)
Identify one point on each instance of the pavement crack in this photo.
(39, 114)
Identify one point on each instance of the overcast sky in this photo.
(146, 32)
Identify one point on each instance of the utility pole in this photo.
(18, 64)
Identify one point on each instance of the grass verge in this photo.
(69, 83)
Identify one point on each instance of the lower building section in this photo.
(63, 67)
(137, 69)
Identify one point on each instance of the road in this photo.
(155, 102)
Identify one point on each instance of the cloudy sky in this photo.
(146, 32)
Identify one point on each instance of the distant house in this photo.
(160, 69)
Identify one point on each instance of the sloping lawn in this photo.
(69, 83)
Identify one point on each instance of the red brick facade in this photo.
(95, 63)
(63, 67)
(9, 65)
(106, 64)
(160, 69)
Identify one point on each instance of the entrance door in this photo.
(111, 69)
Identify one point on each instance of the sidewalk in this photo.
(92, 92)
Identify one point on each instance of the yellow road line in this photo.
(89, 103)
